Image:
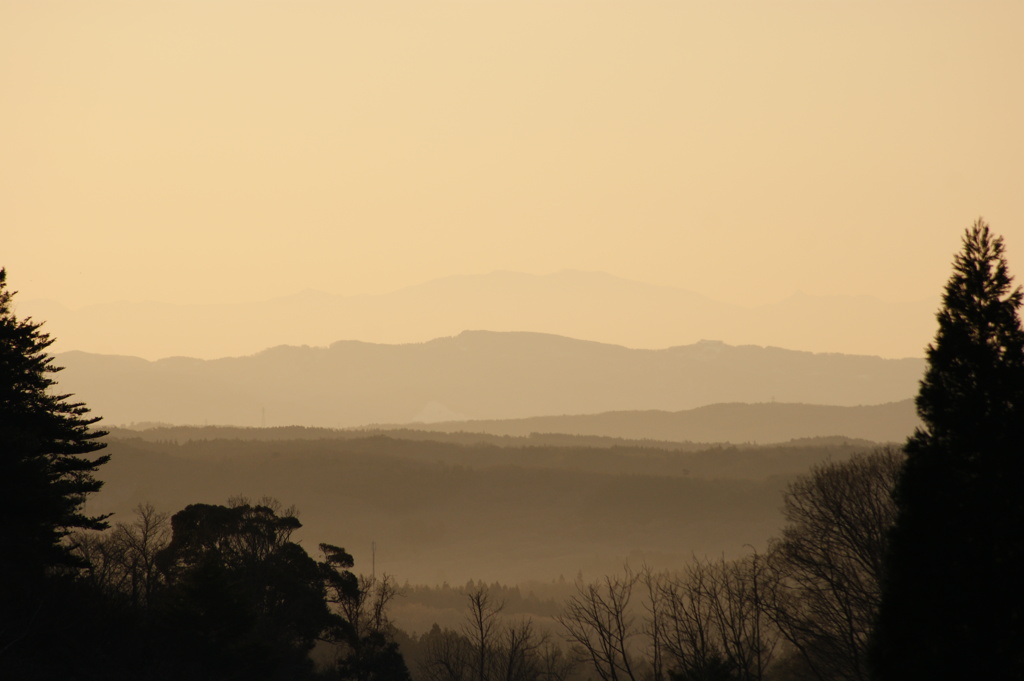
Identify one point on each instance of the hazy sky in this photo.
(236, 150)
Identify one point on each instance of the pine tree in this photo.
(953, 591)
(45, 470)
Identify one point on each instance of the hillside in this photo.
(440, 511)
(756, 423)
(475, 375)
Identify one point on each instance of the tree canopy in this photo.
(46, 474)
(952, 604)
(246, 600)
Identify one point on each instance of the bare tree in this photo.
(123, 560)
(688, 630)
(749, 637)
(363, 633)
(599, 621)
(553, 663)
(654, 624)
(517, 658)
(827, 566)
(449, 656)
(714, 622)
(704, 623)
(491, 648)
(817, 591)
(365, 608)
(482, 629)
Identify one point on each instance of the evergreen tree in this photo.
(953, 595)
(44, 473)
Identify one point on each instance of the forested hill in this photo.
(475, 375)
(737, 423)
(442, 511)
(688, 430)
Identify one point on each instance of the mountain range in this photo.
(762, 423)
(588, 305)
(474, 375)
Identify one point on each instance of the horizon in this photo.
(589, 306)
(191, 153)
(299, 292)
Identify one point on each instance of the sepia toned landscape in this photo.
(480, 340)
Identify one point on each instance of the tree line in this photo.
(898, 564)
(802, 609)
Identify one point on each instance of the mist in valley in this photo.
(510, 341)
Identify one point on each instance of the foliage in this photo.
(952, 605)
(222, 592)
(46, 474)
(248, 601)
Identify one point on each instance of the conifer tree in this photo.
(45, 440)
(953, 588)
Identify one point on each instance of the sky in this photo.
(190, 151)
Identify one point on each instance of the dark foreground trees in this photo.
(244, 599)
(825, 588)
(46, 473)
(223, 592)
(803, 611)
(491, 647)
(363, 635)
(953, 599)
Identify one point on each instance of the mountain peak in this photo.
(572, 303)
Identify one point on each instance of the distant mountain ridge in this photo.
(736, 423)
(590, 305)
(475, 375)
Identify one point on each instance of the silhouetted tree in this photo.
(953, 598)
(714, 624)
(490, 647)
(827, 566)
(46, 474)
(602, 624)
(121, 563)
(243, 599)
(363, 634)
(705, 623)
(448, 655)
